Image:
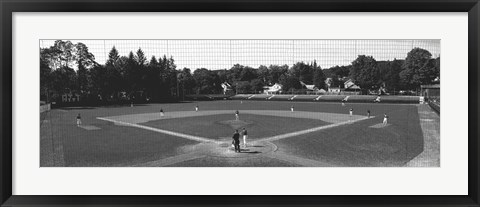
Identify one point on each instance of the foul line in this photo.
(186, 136)
(203, 139)
(306, 131)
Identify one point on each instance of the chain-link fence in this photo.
(223, 54)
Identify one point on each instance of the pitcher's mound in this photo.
(235, 124)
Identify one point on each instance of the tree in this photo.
(83, 77)
(98, 76)
(56, 68)
(418, 69)
(256, 85)
(45, 79)
(390, 71)
(206, 81)
(336, 82)
(243, 87)
(112, 56)
(437, 67)
(364, 73)
(83, 56)
(303, 72)
(289, 82)
(248, 74)
(264, 74)
(64, 80)
(140, 57)
(224, 75)
(276, 71)
(63, 53)
(235, 73)
(131, 74)
(186, 81)
(318, 76)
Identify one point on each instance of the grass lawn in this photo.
(111, 145)
(355, 144)
(359, 144)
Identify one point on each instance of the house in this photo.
(275, 89)
(309, 87)
(328, 82)
(334, 89)
(226, 87)
(350, 86)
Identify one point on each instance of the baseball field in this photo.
(315, 134)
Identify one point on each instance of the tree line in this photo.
(134, 77)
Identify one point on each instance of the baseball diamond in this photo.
(240, 103)
(314, 135)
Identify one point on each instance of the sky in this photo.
(223, 54)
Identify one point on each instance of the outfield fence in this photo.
(329, 98)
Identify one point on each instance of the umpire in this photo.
(236, 141)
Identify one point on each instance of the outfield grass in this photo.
(355, 144)
(359, 144)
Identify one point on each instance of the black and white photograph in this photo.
(240, 103)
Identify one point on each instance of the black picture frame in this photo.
(7, 8)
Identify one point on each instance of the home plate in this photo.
(89, 127)
(380, 125)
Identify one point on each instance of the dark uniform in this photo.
(236, 141)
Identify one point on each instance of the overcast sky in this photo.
(222, 54)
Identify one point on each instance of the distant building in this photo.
(309, 87)
(226, 87)
(430, 91)
(328, 82)
(275, 89)
(350, 86)
(334, 89)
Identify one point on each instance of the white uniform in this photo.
(79, 120)
(385, 120)
(196, 108)
(245, 136)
